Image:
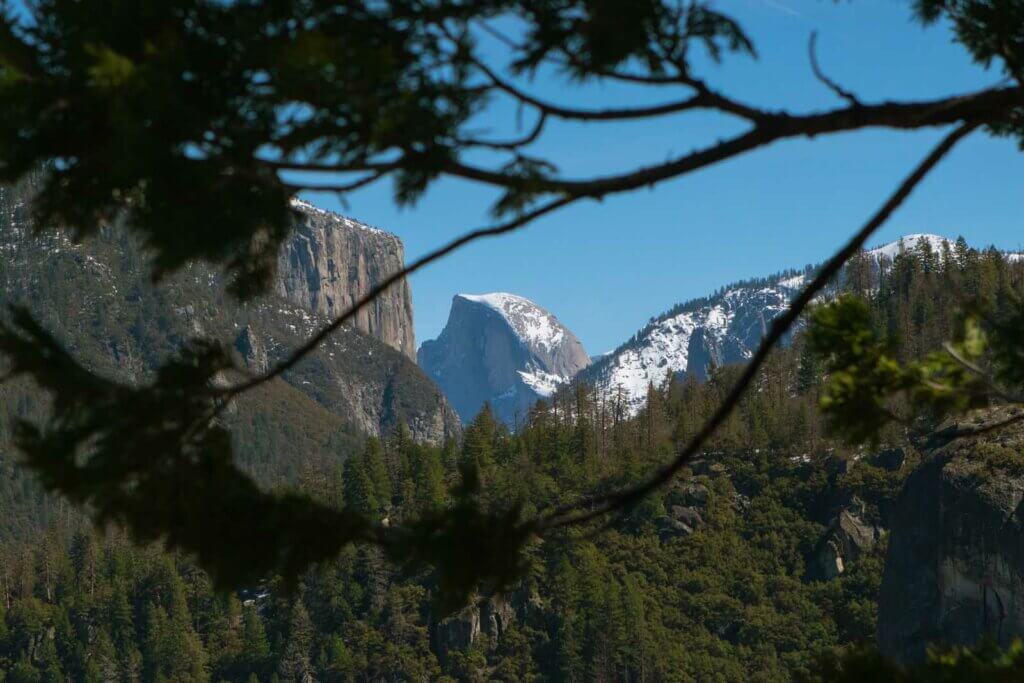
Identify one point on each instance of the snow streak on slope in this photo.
(723, 329)
(544, 384)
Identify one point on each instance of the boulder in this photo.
(690, 516)
(848, 537)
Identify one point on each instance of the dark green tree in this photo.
(360, 490)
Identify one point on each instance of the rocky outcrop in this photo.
(330, 261)
(250, 348)
(848, 537)
(490, 617)
(955, 566)
(502, 349)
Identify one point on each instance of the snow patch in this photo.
(544, 384)
(532, 324)
(907, 242)
(795, 282)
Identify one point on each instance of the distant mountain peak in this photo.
(533, 324)
(503, 349)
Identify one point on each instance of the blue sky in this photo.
(605, 268)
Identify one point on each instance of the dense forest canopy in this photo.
(718, 576)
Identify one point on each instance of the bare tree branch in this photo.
(698, 101)
(599, 505)
(985, 377)
(982, 106)
(344, 187)
(527, 139)
(820, 75)
(991, 104)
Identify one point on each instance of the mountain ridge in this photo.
(720, 328)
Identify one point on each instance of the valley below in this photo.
(778, 546)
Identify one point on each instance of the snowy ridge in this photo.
(723, 329)
(907, 242)
(532, 324)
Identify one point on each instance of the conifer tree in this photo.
(295, 665)
(378, 470)
(255, 649)
(360, 491)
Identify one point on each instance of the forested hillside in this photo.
(765, 555)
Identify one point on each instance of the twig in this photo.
(697, 101)
(527, 139)
(599, 505)
(956, 432)
(345, 187)
(571, 61)
(820, 75)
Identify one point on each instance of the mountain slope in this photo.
(97, 298)
(502, 349)
(693, 337)
(723, 328)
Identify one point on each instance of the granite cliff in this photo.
(955, 567)
(502, 349)
(97, 298)
(330, 261)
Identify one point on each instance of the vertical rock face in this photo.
(330, 261)
(955, 566)
(503, 349)
(98, 299)
(490, 617)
